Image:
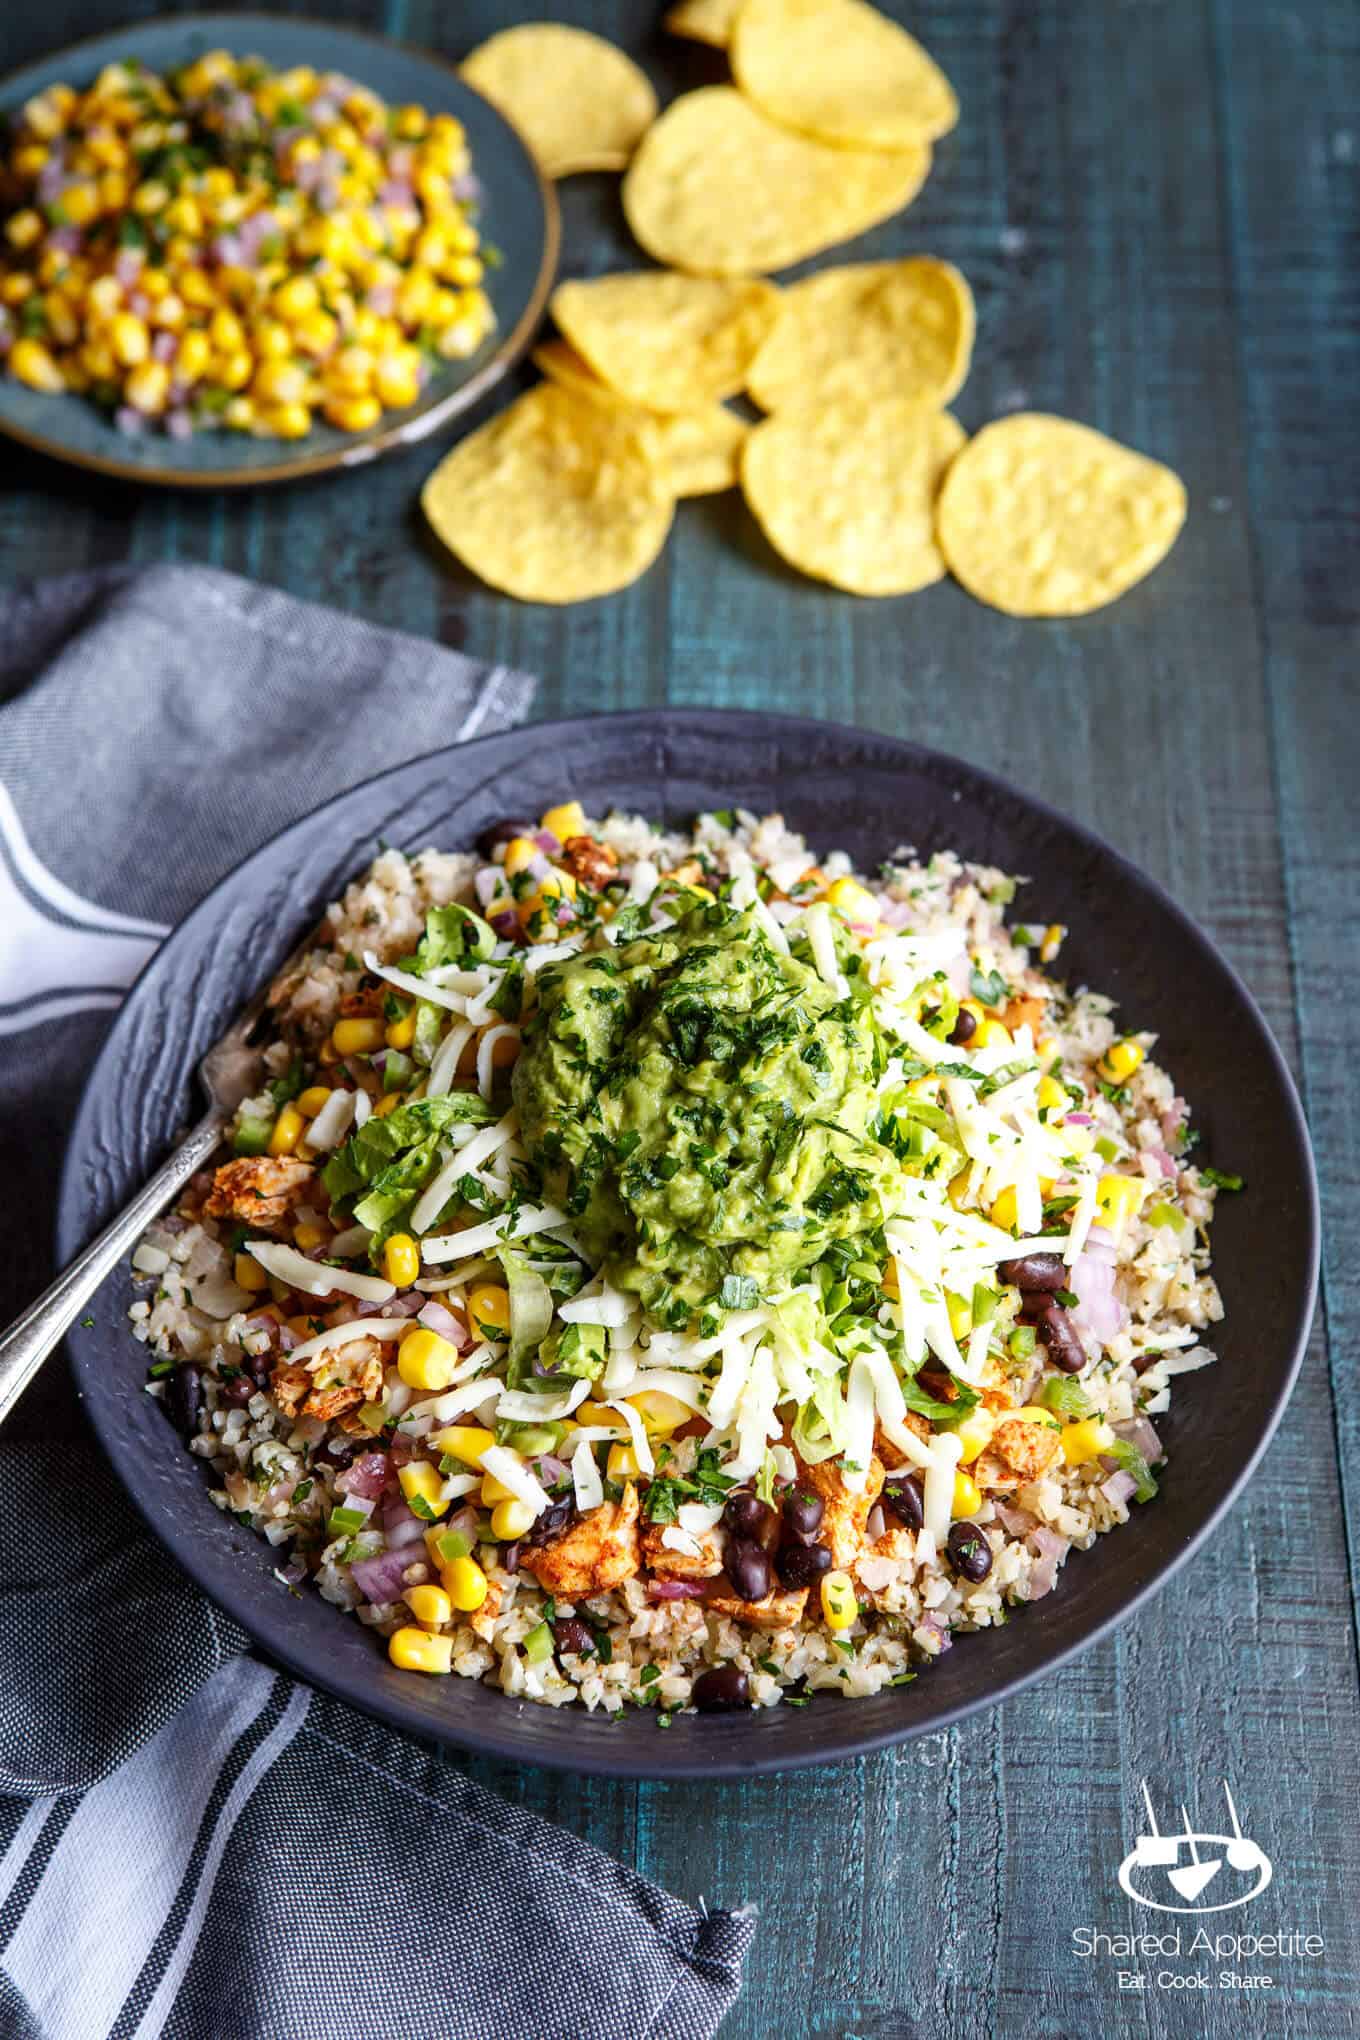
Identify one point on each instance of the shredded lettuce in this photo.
(531, 1310)
(384, 1166)
(453, 935)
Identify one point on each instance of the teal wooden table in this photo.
(1156, 207)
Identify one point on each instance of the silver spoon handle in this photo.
(30, 1339)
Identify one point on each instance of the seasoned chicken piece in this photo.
(598, 1552)
(365, 1003)
(893, 1457)
(1026, 1012)
(776, 1611)
(594, 864)
(332, 1384)
(993, 1476)
(1026, 1445)
(846, 1512)
(258, 1189)
(288, 1385)
(483, 1620)
(669, 1564)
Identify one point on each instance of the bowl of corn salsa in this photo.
(236, 249)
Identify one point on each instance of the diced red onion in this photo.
(467, 187)
(564, 913)
(506, 922)
(163, 347)
(464, 1519)
(294, 1573)
(1098, 1309)
(128, 421)
(877, 1523)
(401, 1451)
(396, 191)
(127, 266)
(1173, 1121)
(439, 1318)
(381, 1579)
(382, 299)
(538, 866)
(366, 1476)
(286, 1338)
(1015, 1522)
(1156, 1164)
(1078, 1119)
(937, 1629)
(179, 425)
(896, 913)
(1139, 1433)
(1047, 1543)
(677, 1590)
(1118, 1488)
(550, 844)
(510, 1557)
(487, 884)
(549, 1469)
(401, 1526)
(228, 251)
(66, 240)
(401, 1306)
(139, 303)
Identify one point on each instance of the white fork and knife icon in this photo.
(1190, 1880)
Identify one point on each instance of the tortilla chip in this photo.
(705, 21)
(699, 450)
(578, 102)
(895, 328)
(840, 70)
(846, 491)
(1041, 517)
(555, 500)
(671, 342)
(718, 189)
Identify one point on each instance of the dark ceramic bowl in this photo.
(843, 787)
(519, 216)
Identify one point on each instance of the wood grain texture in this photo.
(1156, 207)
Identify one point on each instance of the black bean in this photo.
(904, 1496)
(802, 1565)
(555, 1518)
(504, 832)
(235, 1392)
(965, 1027)
(748, 1568)
(184, 1399)
(259, 1366)
(1059, 1334)
(746, 1515)
(571, 1633)
(336, 1451)
(969, 1551)
(1031, 1272)
(721, 1689)
(803, 1512)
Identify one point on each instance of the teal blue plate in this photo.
(519, 217)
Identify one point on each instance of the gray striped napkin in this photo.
(191, 1845)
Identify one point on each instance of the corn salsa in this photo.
(234, 246)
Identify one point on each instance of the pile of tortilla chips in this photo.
(858, 476)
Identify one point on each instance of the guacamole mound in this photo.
(698, 1103)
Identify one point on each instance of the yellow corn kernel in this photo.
(1046, 1051)
(957, 1193)
(465, 270)
(44, 115)
(226, 331)
(1054, 934)
(975, 1433)
(991, 1034)
(272, 340)
(1086, 1440)
(494, 1490)
(239, 414)
(29, 160)
(397, 377)
(287, 1131)
(1119, 1061)
(311, 1100)
(80, 203)
(248, 1274)
(430, 1605)
(401, 1260)
(960, 1311)
(601, 1417)
(350, 372)
(218, 182)
(147, 388)
(421, 1483)
(308, 1236)
(413, 299)
(520, 853)
(1077, 1141)
(1121, 1197)
(622, 1463)
(294, 299)
(24, 229)
(416, 1650)
(464, 1442)
(1004, 1211)
(150, 197)
(466, 1586)
(660, 1413)
(357, 1037)
(424, 1360)
(352, 414)
(196, 288)
(192, 356)
(839, 1606)
(233, 371)
(489, 1305)
(387, 1104)
(401, 1033)
(14, 289)
(1051, 1095)
(279, 382)
(1035, 1413)
(511, 1519)
(967, 1496)
(852, 901)
(62, 322)
(113, 191)
(316, 333)
(285, 421)
(167, 314)
(130, 338)
(98, 362)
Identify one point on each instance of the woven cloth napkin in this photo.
(191, 1844)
